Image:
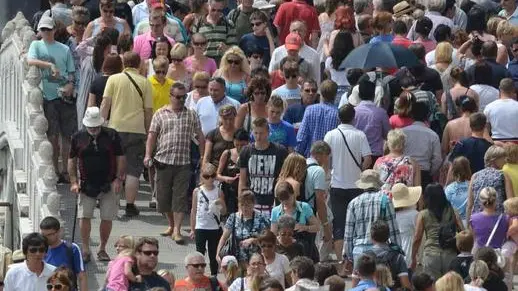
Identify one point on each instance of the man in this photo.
(91, 5)
(239, 18)
(364, 210)
(195, 265)
(489, 52)
(128, 100)
(143, 43)
(364, 24)
(433, 11)
(141, 11)
(318, 119)
(173, 126)
(302, 274)
(260, 164)
(97, 153)
(299, 10)
(400, 31)
(208, 107)
(172, 26)
(146, 254)
(366, 272)
(57, 67)
(513, 65)
(351, 155)
(501, 111)
(219, 32)
(457, 15)
(62, 253)
(308, 96)
(509, 11)
(34, 272)
(260, 38)
(306, 52)
(423, 144)
(290, 91)
(59, 11)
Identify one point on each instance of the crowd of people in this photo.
(295, 170)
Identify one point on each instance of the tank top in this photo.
(235, 91)
(119, 26)
(205, 219)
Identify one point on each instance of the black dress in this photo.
(230, 169)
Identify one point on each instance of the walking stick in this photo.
(75, 218)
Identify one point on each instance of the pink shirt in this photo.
(117, 281)
(210, 65)
(397, 121)
(142, 45)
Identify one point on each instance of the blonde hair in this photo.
(231, 272)
(208, 169)
(512, 153)
(443, 52)
(504, 28)
(396, 139)
(179, 50)
(451, 281)
(494, 153)
(294, 166)
(201, 76)
(129, 241)
(478, 272)
(383, 276)
(234, 50)
(511, 206)
(487, 196)
(493, 23)
(160, 62)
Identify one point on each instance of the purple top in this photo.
(374, 122)
(482, 225)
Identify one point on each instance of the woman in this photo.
(345, 22)
(402, 110)
(235, 70)
(423, 27)
(343, 45)
(277, 265)
(80, 17)
(199, 9)
(327, 20)
(228, 169)
(307, 223)
(255, 274)
(478, 273)
(160, 47)
(112, 64)
(222, 138)
(495, 279)
(504, 37)
(457, 190)
(491, 176)
(107, 19)
(59, 280)
(258, 93)
(382, 24)
(177, 70)
(291, 173)
(198, 62)
(482, 75)
(438, 212)
(451, 281)
(200, 84)
(245, 227)
(395, 167)
(460, 87)
(458, 128)
(444, 63)
(286, 244)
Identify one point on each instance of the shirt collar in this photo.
(419, 123)
(346, 126)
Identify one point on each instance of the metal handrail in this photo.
(11, 210)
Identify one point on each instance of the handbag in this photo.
(230, 245)
(498, 251)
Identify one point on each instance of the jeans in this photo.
(209, 237)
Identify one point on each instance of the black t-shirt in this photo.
(474, 149)
(148, 282)
(97, 88)
(429, 79)
(292, 251)
(96, 157)
(461, 265)
(263, 168)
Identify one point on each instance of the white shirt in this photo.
(430, 58)
(468, 287)
(278, 268)
(345, 172)
(306, 52)
(338, 76)
(500, 114)
(486, 93)
(20, 278)
(205, 210)
(406, 220)
(306, 284)
(208, 111)
(140, 12)
(423, 145)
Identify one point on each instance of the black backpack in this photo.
(389, 259)
(311, 200)
(447, 231)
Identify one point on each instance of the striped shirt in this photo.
(222, 32)
(317, 121)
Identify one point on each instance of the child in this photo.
(457, 191)
(208, 203)
(281, 132)
(289, 92)
(464, 242)
(230, 268)
(383, 277)
(119, 269)
(478, 272)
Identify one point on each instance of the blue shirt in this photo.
(303, 213)
(250, 40)
(295, 113)
(364, 285)
(282, 133)
(512, 67)
(318, 120)
(382, 38)
(60, 256)
(289, 95)
(58, 54)
(457, 194)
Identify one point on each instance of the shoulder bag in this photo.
(498, 251)
(230, 245)
(349, 149)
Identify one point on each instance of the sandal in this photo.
(178, 239)
(167, 232)
(87, 257)
(102, 256)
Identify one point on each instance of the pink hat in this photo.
(293, 41)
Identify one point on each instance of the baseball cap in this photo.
(293, 41)
(156, 4)
(46, 22)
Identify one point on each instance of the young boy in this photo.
(290, 91)
(464, 242)
(366, 270)
(423, 282)
(261, 37)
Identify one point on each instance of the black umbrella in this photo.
(379, 55)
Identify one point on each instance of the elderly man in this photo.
(434, 11)
(509, 11)
(208, 107)
(143, 43)
(146, 253)
(128, 100)
(196, 280)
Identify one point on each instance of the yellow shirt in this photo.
(160, 92)
(127, 106)
(512, 171)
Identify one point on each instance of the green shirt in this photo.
(222, 32)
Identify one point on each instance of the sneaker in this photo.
(152, 203)
(131, 210)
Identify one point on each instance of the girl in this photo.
(277, 265)
(119, 269)
(208, 203)
(256, 272)
(478, 272)
(230, 268)
(160, 47)
(457, 191)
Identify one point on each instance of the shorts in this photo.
(109, 206)
(134, 147)
(61, 117)
(339, 200)
(508, 249)
(171, 184)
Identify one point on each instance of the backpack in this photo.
(447, 231)
(382, 95)
(311, 200)
(389, 259)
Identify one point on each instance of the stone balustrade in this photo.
(28, 173)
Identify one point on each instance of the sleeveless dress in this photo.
(489, 177)
(230, 169)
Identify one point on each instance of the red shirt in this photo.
(277, 79)
(397, 121)
(296, 10)
(401, 41)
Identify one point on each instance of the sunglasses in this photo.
(45, 29)
(160, 72)
(199, 43)
(256, 264)
(256, 56)
(179, 97)
(108, 11)
(201, 87)
(177, 60)
(149, 253)
(259, 93)
(256, 24)
(209, 176)
(291, 76)
(235, 62)
(34, 250)
(197, 266)
(266, 246)
(310, 90)
(155, 24)
(57, 286)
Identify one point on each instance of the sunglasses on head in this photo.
(149, 253)
(57, 286)
(197, 266)
(34, 250)
(235, 62)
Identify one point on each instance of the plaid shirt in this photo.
(174, 132)
(317, 121)
(361, 212)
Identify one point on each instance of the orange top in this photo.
(187, 285)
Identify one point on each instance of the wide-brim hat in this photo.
(262, 4)
(404, 196)
(93, 117)
(369, 179)
(402, 8)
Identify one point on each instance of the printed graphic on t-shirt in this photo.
(262, 173)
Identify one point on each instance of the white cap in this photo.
(228, 259)
(93, 117)
(46, 22)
